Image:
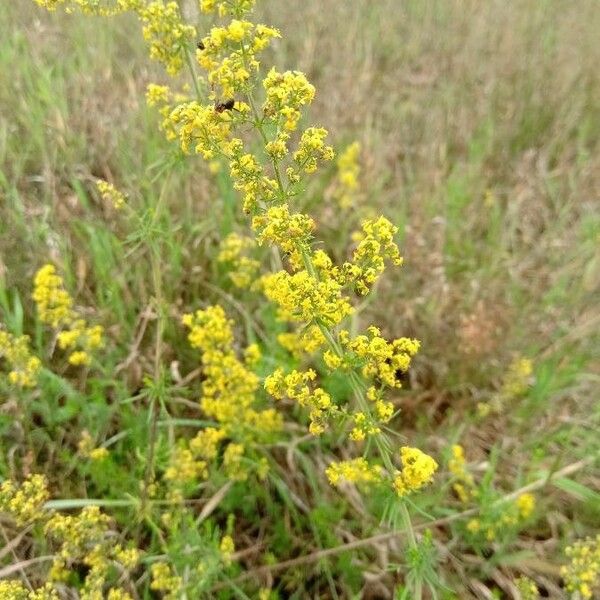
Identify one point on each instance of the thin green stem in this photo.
(155, 400)
(194, 77)
(412, 541)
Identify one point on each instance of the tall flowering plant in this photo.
(255, 120)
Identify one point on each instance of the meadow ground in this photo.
(479, 125)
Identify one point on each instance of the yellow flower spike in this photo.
(417, 471)
(228, 55)
(227, 548)
(233, 462)
(206, 442)
(54, 304)
(229, 395)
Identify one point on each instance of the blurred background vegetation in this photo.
(479, 124)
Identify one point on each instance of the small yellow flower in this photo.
(526, 505)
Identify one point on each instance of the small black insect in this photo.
(200, 45)
(227, 105)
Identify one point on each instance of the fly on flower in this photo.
(223, 106)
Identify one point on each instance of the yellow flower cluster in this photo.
(375, 246)
(295, 385)
(164, 580)
(383, 409)
(357, 470)
(525, 504)
(15, 590)
(229, 390)
(85, 339)
(24, 368)
(110, 194)
(286, 93)
(348, 171)
(185, 466)
(249, 178)
(242, 268)
(288, 231)
(85, 538)
(312, 149)
(306, 341)
(25, 502)
(464, 486)
(228, 54)
(166, 32)
(200, 128)
(303, 298)
(582, 574)
(379, 359)
(55, 308)
(417, 471)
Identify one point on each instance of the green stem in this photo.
(412, 541)
(155, 406)
(194, 77)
